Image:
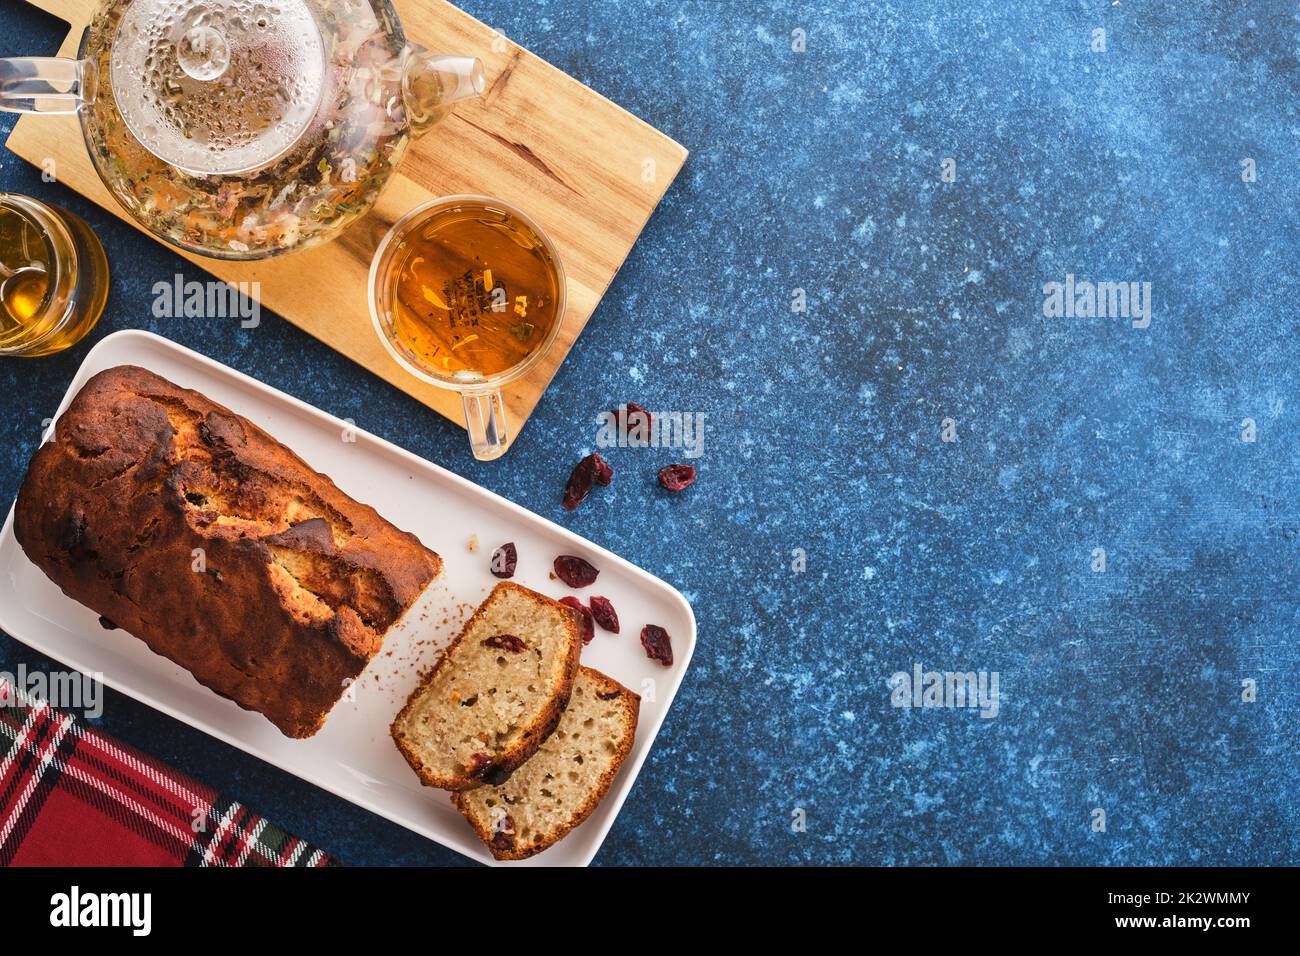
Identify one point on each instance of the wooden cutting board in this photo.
(587, 170)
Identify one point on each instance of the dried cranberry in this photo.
(506, 642)
(657, 647)
(504, 839)
(604, 614)
(603, 473)
(635, 421)
(477, 763)
(578, 486)
(574, 571)
(677, 477)
(504, 561)
(588, 628)
(608, 694)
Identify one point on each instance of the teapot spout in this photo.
(36, 84)
(433, 82)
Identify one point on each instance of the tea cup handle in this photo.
(485, 421)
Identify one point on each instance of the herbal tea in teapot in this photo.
(241, 129)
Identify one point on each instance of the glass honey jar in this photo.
(53, 277)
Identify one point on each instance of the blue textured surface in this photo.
(822, 170)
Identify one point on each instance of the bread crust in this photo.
(196, 531)
(533, 736)
(631, 703)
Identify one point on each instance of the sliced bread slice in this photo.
(495, 694)
(565, 780)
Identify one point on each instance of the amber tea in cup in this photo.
(467, 293)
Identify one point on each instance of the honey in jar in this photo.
(53, 277)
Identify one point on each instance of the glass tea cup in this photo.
(467, 293)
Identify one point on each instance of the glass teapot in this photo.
(242, 129)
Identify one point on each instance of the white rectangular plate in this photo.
(353, 756)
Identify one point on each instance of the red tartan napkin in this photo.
(71, 796)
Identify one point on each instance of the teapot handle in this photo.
(45, 84)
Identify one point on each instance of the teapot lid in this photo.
(216, 87)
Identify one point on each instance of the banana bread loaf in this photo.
(191, 528)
